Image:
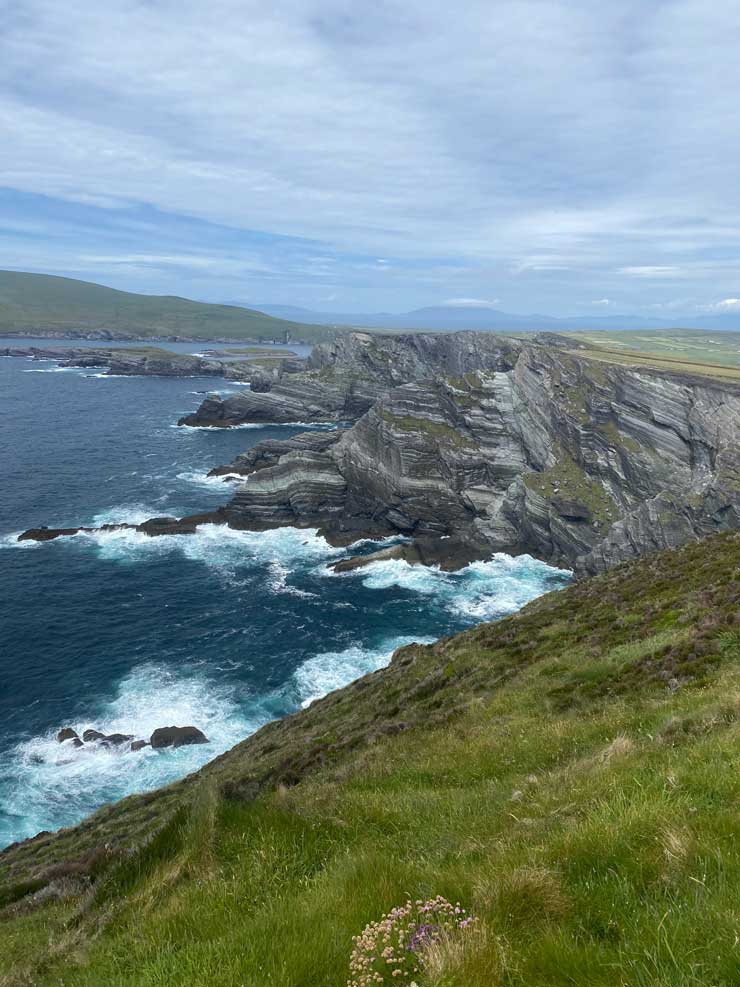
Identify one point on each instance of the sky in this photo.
(566, 157)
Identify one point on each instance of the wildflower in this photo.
(392, 949)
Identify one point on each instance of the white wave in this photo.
(380, 543)
(11, 541)
(55, 370)
(202, 479)
(278, 581)
(216, 545)
(328, 426)
(481, 590)
(51, 784)
(334, 669)
(217, 428)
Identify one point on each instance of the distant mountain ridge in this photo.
(455, 317)
(55, 306)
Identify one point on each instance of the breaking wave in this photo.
(481, 590)
(334, 669)
(47, 784)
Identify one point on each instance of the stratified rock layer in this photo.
(578, 462)
(346, 377)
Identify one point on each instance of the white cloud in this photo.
(655, 272)
(727, 305)
(332, 121)
(471, 302)
(603, 301)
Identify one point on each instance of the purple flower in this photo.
(424, 935)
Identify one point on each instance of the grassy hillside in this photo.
(569, 774)
(716, 354)
(40, 302)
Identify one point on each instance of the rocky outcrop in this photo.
(147, 361)
(153, 527)
(302, 399)
(268, 452)
(153, 361)
(486, 445)
(161, 737)
(578, 462)
(346, 377)
(177, 737)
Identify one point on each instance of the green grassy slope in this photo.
(570, 774)
(51, 304)
(716, 354)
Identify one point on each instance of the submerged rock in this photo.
(177, 737)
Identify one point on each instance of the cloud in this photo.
(471, 302)
(652, 271)
(331, 123)
(603, 301)
(727, 305)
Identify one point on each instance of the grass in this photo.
(437, 431)
(43, 303)
(568, 481)
(710, 354)
(570, 774)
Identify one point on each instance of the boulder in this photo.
(89, 735)
(117, 738)
(67, 733)
(177, 737)
(139, 744)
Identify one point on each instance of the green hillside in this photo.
(43, 303)
(689, 350)
(569, 774)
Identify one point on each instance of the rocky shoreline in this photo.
(467, 444)
(258, 368)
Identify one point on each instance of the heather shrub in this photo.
(394, 949)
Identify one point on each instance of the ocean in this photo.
(224, 630)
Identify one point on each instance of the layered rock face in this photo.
(346, 377)
(578, 462)
(268, 452)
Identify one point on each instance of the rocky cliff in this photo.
(346, 377)
(472, 443)
(579, 462)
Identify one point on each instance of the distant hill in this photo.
(32, 303)
(456, 317)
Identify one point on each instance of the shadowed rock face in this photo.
(578, 462)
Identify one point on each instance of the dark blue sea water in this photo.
(223, 629)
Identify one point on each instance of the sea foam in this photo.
(332, 670)
(47, 784)
(482, 590)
